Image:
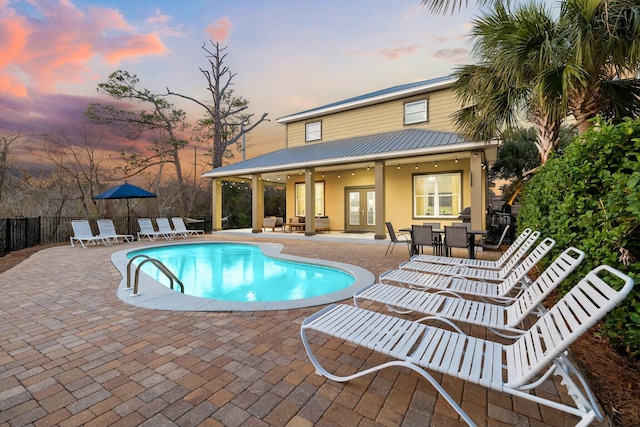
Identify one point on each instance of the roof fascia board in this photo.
(366, 101)
(351, 159)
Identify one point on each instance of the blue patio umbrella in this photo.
(125, 191)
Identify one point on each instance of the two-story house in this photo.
(390, 155)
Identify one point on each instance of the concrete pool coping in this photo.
(154, 295)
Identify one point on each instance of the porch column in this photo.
(216, 205)
(380, 203)
(310, 201)
(477, 182)
(257, 204)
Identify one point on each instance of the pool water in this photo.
(240, 272)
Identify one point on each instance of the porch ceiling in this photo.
(400, 147)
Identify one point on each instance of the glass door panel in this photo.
(354, 208)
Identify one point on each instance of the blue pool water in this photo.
(239, 272)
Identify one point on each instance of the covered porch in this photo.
(360, 183)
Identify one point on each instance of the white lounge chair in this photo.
(164, 227)
(482, 273)
(147, 230)
(482, 263)
(496, 317)
(108, 231)
(515, 369)
(82, 233)
(180, 227)
(479, 287)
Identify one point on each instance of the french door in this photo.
(361, 205)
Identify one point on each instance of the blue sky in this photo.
(288, 55)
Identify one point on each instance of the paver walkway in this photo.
(73, 354)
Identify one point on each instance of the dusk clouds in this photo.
(220, 31)
(288, 55)
(57, 42)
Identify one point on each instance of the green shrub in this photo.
(589, 198)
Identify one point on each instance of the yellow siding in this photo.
(379, 118)
(398, 192)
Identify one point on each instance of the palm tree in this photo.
(517, 77)
(540, 66)
(441, 6)
(604, 48)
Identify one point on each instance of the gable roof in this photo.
(383, 146)
(378, 96)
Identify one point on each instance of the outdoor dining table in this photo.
(471, 233)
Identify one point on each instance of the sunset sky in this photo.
(289, 55)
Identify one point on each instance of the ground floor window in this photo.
(301, 199)
(437, 195)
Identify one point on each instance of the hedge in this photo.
(589, 198)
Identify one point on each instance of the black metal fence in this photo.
(21, 233)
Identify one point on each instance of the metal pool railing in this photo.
(156, 263)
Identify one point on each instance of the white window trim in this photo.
(422, 114)
(437, 214)
(312, 134)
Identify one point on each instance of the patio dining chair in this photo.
(504, 317)
(421, 236)
(437, 238)
(399, 238)
(488, 246)
(517, 368)
(455, 237)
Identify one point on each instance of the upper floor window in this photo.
(416, 112)
(437, 195)
(313, 131)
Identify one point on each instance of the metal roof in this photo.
(372, 97)
(391, 145)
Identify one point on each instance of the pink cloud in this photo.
(134, 46)
(14, 36)
(220, 31)
(108, 18)
(158, 18)
(60, 45)
(398, 52)
(392, 53)
(13, 87)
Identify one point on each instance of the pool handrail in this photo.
(158, 264)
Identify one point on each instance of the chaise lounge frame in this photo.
(147, 230)
(503, 320)
(180, 227)
(486, 274)
(108, 231)
(82, 233)
(497, 291)
(515, 369)
(481, 263)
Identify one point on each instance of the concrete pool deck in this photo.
(73, 354)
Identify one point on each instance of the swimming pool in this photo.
(220, 273)
(241, 272)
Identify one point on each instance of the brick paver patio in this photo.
(73, 354)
